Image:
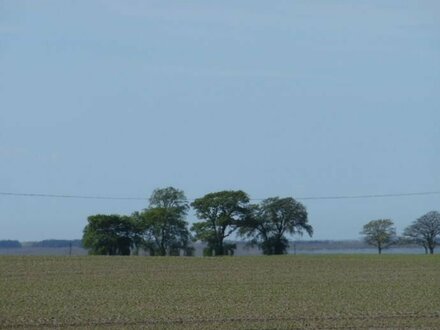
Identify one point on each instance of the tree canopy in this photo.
(425, 231)
(272, 220)
(380, 233)
(109, 234)
(162, 226)
(169, 198)
(221, 214)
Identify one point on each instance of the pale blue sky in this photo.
(288, 98)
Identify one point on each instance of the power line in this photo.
(252, 199)
(70, 196)
(373, 195)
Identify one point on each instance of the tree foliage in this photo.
(109, 234)
(425, 231)
(162, 227)
(221, 214)
(272, 220)
(169, 198)
(380, 233)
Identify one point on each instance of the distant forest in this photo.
(48, 243)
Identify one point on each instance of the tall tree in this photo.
(109, 234)
(169, 198)
(272, 220)
(425, 231)
(221, 214)
(380, 233)
(162, 225)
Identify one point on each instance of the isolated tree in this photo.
(412, 235)
(380, 233)
(221, 214)
(109, 234)
(162, 226)
(272, 220)
(425, 231)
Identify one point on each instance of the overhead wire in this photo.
(128, 198)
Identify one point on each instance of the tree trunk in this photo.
(219, 249)
(431, 245)
(278, 248)
(379, 249)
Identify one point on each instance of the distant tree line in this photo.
(57, 243)
(48, 243)
(162, 229)
(425, 231)
(9, 244)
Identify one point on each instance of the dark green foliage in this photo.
(162, 229)
(425, 231)
(169, 198)
(229, 248)
(274, 245)
(189, 251)
(207, 252)
(221, 214)
(380, 233)
(272, 220)
(109, 234)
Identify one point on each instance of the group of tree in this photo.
(162, 229)
(424, 231)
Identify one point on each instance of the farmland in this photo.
(325, 291)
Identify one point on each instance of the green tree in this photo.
(221, 214)
(272, 220)
(380, 233)
(425, 231)
(162, 227)
(109, 234)
(169, 198)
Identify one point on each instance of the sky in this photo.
(276, 98)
